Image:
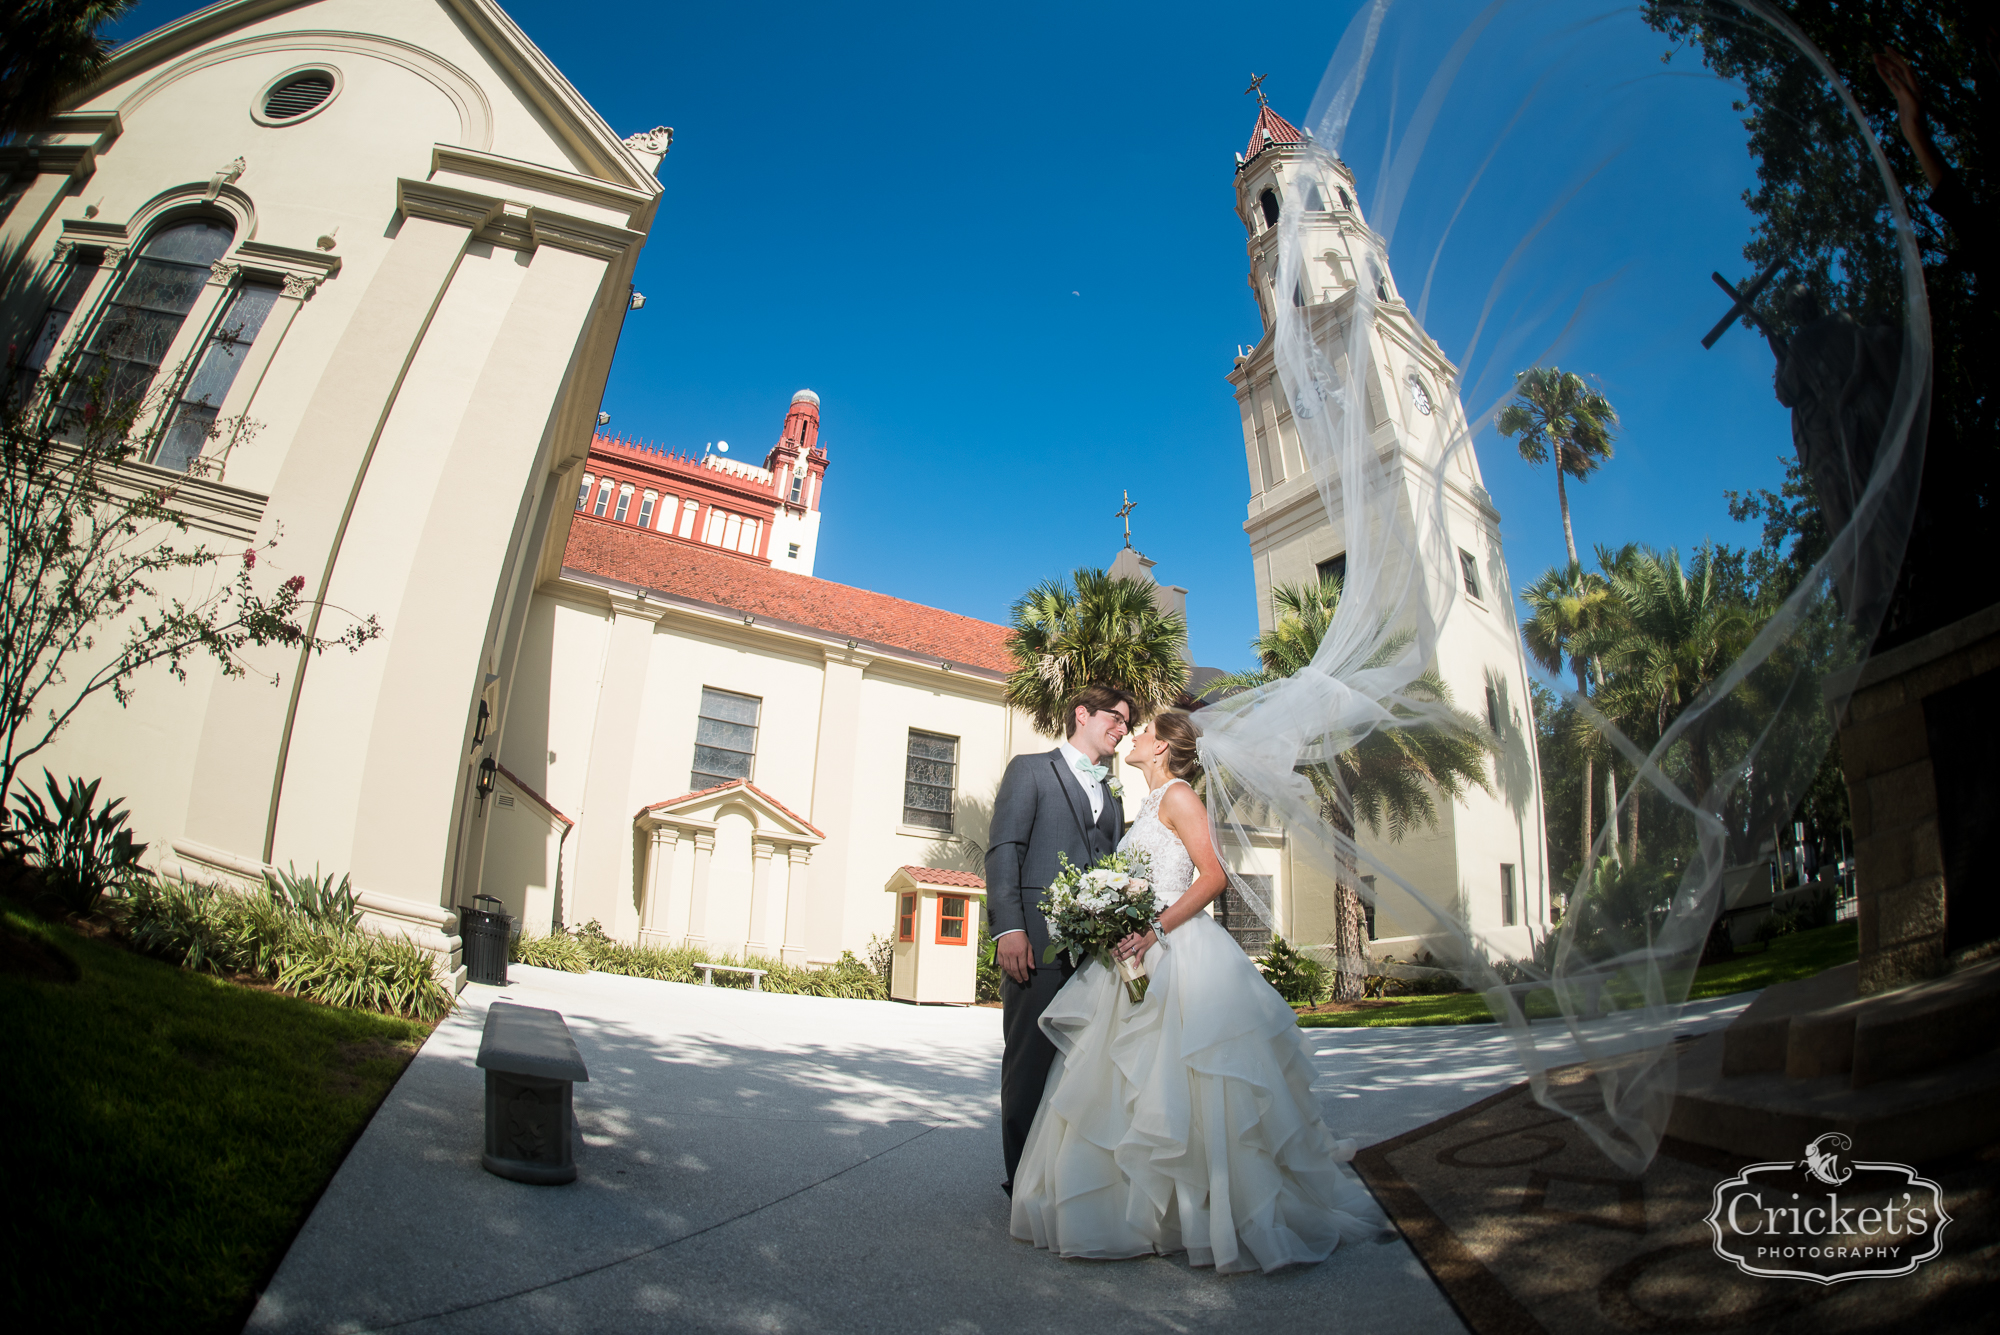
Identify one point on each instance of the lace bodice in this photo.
(1173, 869)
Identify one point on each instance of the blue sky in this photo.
(1000, 244)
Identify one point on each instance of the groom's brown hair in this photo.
(1095, 698)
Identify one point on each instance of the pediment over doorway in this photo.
(701, 810)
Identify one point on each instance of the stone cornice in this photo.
(533, 176)
(518, 226)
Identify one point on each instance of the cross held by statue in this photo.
(1745, 302)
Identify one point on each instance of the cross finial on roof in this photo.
(1257, 87)
(1124, 512)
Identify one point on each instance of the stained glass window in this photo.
(928, 774)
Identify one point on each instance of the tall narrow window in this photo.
(1368, 905)
(624, 504)
(221, 358)
(748, 543)
(725, 738)
(690, 511)
(1469, 567)
(74, 281)
(147, 309)
(798, 484)
(583, 491)
(951, 920)
(1269, 200)
(1345, 202)
(646, 510)
(603, 498)
(1314, 200)
(906, 918)
(929, 770)
(1507, 910)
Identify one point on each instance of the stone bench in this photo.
(531, 1065)
(756, 975)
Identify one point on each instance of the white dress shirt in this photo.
(1091, 785)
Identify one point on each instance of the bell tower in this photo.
(1487, 852)
(797, 464)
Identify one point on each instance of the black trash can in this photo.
(485, 932)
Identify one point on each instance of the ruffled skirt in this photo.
(1186, 1122)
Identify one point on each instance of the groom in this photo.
(1050, 803)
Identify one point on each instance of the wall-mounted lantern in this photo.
(487, 770)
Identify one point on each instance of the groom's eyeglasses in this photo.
(1124, 723)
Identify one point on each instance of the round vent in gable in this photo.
(295, 96)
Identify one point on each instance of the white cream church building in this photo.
(387, 251)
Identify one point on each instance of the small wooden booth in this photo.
(936, 956)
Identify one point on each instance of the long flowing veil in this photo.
(1562, 234)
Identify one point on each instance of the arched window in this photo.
(583, 492)
(603, 498)
(624, 503)
(646, 510)
(1314, 200)
(1269, 199)
(222, 356)
(146, 310)
(798, 483)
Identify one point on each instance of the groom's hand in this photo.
(1016, 960)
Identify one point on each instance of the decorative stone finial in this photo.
(655, 141)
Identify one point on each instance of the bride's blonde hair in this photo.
(1177, 731)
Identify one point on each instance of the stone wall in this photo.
(1904, 708)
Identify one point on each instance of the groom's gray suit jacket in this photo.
(1042, 810)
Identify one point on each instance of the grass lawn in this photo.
(1799, 955)
(169, 1131)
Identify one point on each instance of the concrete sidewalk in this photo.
(761, 1162)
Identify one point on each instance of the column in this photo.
(796, 905)
(759, 943)
(704, 849)
(656, 918)
(835, 754)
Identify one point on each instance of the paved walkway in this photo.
(753, 1162)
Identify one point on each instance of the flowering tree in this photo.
(95, 566)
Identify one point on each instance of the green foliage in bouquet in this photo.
(1298, 977)
(1089, 910)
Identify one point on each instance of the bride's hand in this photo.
(1135, 945)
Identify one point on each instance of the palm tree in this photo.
(49, 49)
(1103, 631)
(1568, 603)
(1677, 633)
(1388, 775)
(1557, 412)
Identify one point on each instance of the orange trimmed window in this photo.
(951, 920)
(906, 919)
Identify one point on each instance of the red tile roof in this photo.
(538, 799)
(735, 783)
(965, 880)
(1282, 132)
(721, 579)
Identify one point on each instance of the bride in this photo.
(1186, 1122)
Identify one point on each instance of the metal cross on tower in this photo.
(1124, 512)
(1257, 87)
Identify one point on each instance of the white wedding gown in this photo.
(1186, 1122)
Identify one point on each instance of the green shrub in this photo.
(81, 854)
(317, 898)
(988, 986)
(1299, 978)
(588, 947)
(266, 935)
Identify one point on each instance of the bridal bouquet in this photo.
(1090, 911)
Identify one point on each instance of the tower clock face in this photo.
(1420, 396)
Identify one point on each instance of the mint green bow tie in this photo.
(1096, 772)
